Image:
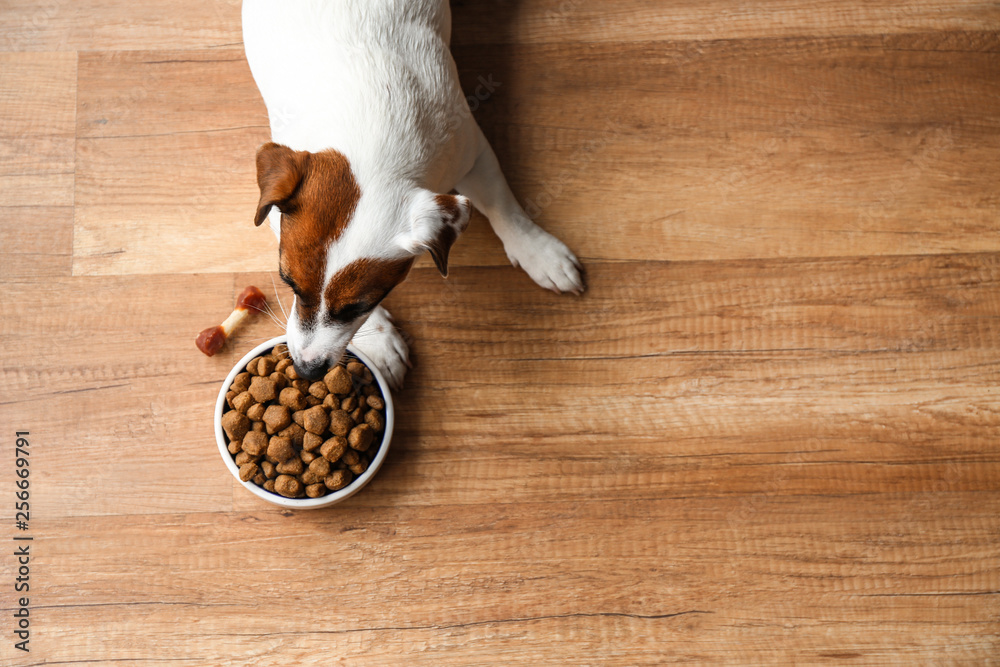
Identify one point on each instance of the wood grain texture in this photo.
(115, 25)
(548, 21)
(767, 435)
(742, 149)
(818, 147)
(37, 134)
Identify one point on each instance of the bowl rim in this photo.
(304, 503)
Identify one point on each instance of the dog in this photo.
(370, 133)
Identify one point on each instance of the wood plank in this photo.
(798, 581)
(36, 242)
(549, 21)
(105, 25)
(823, 147)
(741, 149)
(104, 374)
(37, 121)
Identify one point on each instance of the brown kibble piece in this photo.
(243, 458)
(292, 466)
(376, 402)
(375, 419)
(334, 448)
(308, 457)
(259, 479)
(267, 468)
(255, 443)
(340, 422)
(358, 415)
(258, 426)
(277, 418)
(350, 457)
(269, 485)
(316, 490)
(279, 380)
(361, 437)
(331, 402)
(263, 389)
(312, 401)
(291, 373)
(338, 380)
(295, 433)
(280, 351)
(287, 486)
(320, 467)
(248, 471)
(308, 478)
(256, 412)
(241, 382)
(235, 447)
(315, 420)
(338, 479)
(349, 404)
(359, 468)
(282, 364)
(355, 368)
(280, 449)
(235, 424)
(265, 366)
(243, 402)
(319, 390)
(299, 417)
(292, 399)
(230, 395)
(252, 366)
(301, 385)
(311, 442)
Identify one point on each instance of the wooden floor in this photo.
(768, 434)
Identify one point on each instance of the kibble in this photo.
(315, 420)
(338, 381)
(255, 443)
(280, 449)
(263, 389)
(298, 438)
(277, 418)
(235, 424)
(248, 471)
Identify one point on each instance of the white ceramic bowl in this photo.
(304, 503)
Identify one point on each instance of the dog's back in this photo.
(366, 77)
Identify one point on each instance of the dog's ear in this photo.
(435, 224)
(279, 172)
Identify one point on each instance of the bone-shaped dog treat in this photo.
(212, 339)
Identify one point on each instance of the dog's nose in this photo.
(311, 371)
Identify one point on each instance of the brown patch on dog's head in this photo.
(361, 285)
(317, 195)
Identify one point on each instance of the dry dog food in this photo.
(212, 339)
(303, 439)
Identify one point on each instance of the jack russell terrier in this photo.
(370, 130)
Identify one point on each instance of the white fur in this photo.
(375, 80)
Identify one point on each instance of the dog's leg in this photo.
(542, 256)
(384, 344)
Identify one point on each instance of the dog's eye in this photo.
(351, 311)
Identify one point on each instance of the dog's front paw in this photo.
(381, 342)
(547, 260)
